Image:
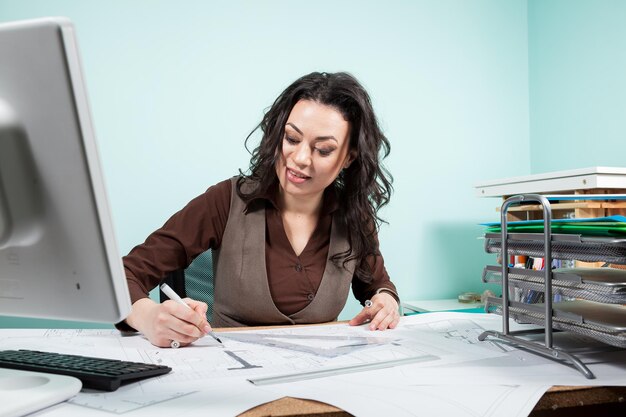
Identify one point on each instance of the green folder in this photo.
(617, 229)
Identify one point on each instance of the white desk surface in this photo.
(428, 306)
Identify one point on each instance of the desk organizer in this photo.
(564, 246)
(603, 285)
(600, 321)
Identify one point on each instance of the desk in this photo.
(556, 402)
(209, 398)
(430, 306)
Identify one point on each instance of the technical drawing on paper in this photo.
(120, 403)
(248, 354)
(202, 367)
(461, 330)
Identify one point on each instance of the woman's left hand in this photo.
(382, 314)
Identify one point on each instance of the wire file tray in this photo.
(564, 246)
(606, 323)
(540, 245)
(603, 285)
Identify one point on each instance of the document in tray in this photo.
(596, 226)
(607, 219)
(603, 322)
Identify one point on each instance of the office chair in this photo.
(195, 281)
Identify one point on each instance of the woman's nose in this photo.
(302, 155)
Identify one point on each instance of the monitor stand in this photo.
(23, 392)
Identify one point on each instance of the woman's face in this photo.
(315, 149)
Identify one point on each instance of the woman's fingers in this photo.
(383, 313)
(200, 308)
(176, 322)
(362, 317)
(383, 320)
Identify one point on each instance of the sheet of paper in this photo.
(517, 366)
(214, 378)
(230, 399)
(363, 395)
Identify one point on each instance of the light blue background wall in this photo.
(175, 87)
(577, 56)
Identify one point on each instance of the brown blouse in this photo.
(293, 279)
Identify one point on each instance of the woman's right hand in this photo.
(168, 321)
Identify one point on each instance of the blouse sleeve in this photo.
(194, 229)
(380, 281)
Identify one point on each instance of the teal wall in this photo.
(577, 67)
(176, 86)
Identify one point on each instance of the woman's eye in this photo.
(291, 140)
(325, 152)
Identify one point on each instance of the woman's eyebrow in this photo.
(320, 138)
(295, 128)
(317, 138)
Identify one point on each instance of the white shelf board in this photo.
(555, 182)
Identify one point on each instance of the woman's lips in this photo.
(296, 177)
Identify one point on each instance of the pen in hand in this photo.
(175, 297)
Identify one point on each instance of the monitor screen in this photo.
(58, 254)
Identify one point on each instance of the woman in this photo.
(289, 238)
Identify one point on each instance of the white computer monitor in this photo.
(58, 254)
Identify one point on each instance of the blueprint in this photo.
(439, 354)
(247, 355)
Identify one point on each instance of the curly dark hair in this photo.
(363, 188)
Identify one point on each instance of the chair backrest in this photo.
(196, 281)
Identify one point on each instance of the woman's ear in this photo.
(349, 158)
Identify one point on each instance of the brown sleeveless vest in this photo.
(242, 293)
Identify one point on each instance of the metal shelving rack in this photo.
(546, 349)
